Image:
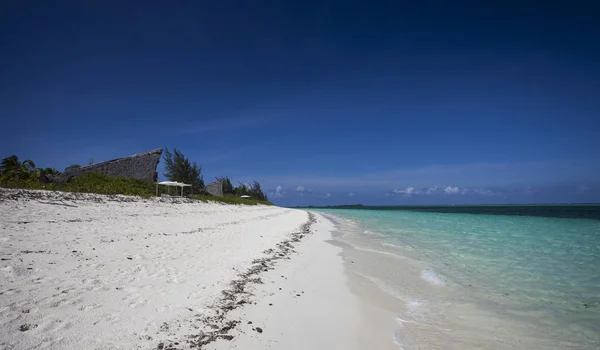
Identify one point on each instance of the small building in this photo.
(215, 188)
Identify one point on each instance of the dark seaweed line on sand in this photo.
(237, 295)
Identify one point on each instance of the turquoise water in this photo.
(543, 261)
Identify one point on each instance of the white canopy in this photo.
(172, 183)
(245, 196)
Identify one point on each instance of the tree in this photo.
(241, 190)
(12, 168)
(253, 190)
(256, 192)
(179, 168)
(43, 175)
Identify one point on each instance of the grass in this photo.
(103, 184)
(92, 183)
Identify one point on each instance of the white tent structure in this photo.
(172, 184)
(245, 196)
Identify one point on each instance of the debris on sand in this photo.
(237, 295)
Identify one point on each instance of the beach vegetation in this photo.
(18, 174)
(11, 168)
(230, 200)
(243, 189)
(43, 174)
(90, 183)
(256, 192)
(253, 190)
(179, 168)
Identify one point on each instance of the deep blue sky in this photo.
(323, 102)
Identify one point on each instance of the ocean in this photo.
(481, 277)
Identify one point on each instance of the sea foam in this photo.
(431, 277)
(397, 340)
(401, 321)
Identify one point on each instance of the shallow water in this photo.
(487, 280)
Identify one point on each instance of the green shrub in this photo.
(179, 168)
(92, 183)
(104, 184)
(29, 184)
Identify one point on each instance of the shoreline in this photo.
(433, 310)
(308, 302)
(117, 272)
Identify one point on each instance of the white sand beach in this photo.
(80, 271)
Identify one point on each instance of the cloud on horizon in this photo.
(487, 179)
(407, 192)
(439, 195)
(451, 190)
(277, 193)
(468, 183)
(437, 191)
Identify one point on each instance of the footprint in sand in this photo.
(55, 326)
(89, 307)
(138, 303)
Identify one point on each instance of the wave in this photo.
(397, 245)
(401, 322)
(382, 252)
(383, 286)
(397, 340)
(415, 304)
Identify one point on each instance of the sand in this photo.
(305, 303)
(114, 272)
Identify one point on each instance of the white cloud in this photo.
(433, 190)
(437, 190)
(300, 188)
(351, 194)
(474, 175)
(408, 192)
(279, 193)
(451, 190)
(327, 195)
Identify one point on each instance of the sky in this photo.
(322, 102)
